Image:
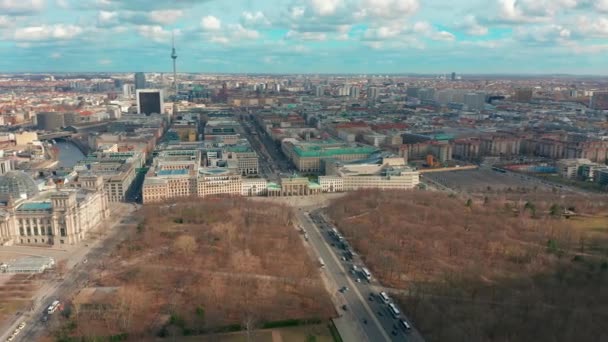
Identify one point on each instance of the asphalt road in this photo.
(370, 316)
(78, 277)
(272, 161)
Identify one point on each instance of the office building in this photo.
(307, 156)
(412, 91)
(150, 101)
(128, 90)
(319, 91)
(599, 100)
(140, 80)
(118, 170)
(372, 93)
(523, 95)
(50, 121)
(453, 77)
(390, 173)
(475, 101)
(355, 92)
(426, 94)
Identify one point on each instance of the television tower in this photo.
(174, 57)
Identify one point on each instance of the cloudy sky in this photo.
(306, 36)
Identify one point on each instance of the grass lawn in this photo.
(310, 333)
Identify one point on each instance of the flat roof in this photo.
(177, 172)
(314, 150)
(36, 206)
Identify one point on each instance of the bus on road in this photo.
(321, 263)
(366, 273)
(53, 307)
(393, 309)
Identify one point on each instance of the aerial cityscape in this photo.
(315, 170)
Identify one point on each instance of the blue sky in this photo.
(306, 36)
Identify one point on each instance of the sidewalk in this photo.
(344, 328)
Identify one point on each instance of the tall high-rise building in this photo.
(475, 101)
(128, 90)
(523, 95)
(319, 91)
(599, 100)
(355, 92)
(426, 94)
(140, 80)
(150, 101)
(372, 93)
(453, 76)
(412, 91)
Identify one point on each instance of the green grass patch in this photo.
(334, 332)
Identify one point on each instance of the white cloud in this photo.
(442, 35)
(104, 62)
(55, 55)
(165, 17)
(382, 33)
(472, 27)
(297, 12)
(543, 34)
(239, 32)
(325, 7)
(426, 29)
(219, 40)
(5, 21)
(47, 32)
(387, 9)
(530, 11)
(254, 19)
(155, 32)
(107, 17)
(21, 6)
(601, 5)
(235, 33)
(211, 23)
(300, 49)
(63, 3)
(592, 27)
(307, 36)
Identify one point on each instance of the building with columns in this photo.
(53, 218)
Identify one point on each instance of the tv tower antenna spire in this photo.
(174, 58)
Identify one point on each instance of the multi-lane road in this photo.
(78, 277)
(358, 300)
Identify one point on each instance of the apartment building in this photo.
(118, 170)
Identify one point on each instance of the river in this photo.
(69, 154)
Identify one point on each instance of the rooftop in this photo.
(178, 172)
(319, 150)
(36, 206)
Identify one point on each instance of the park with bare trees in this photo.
(198, 267)
(499, 267)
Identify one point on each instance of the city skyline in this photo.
(314, 36)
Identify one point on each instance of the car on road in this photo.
(344, 289)
(344, 307)
(358, 280)
(405, 325)
(21, 325)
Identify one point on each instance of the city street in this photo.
(367, 316)
(77, 277)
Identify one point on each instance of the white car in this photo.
(21, 325)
